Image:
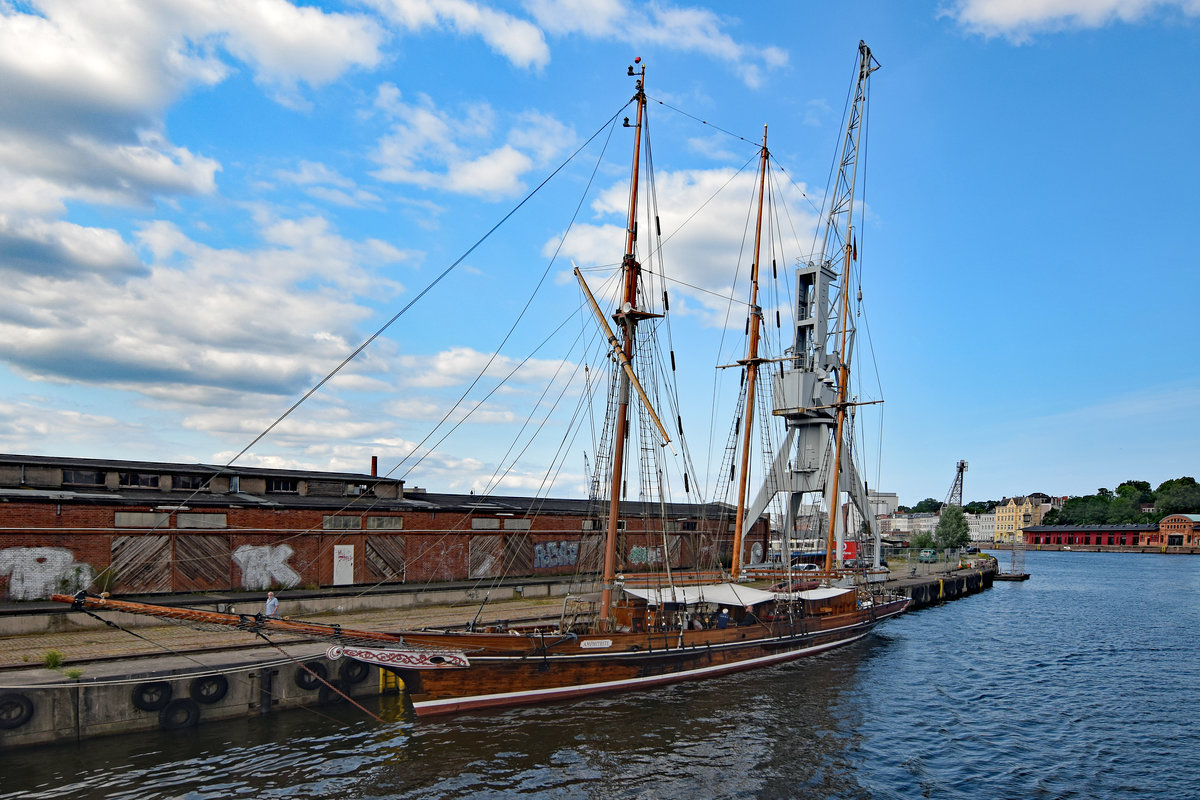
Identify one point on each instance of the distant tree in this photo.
(927, 505)
(952, 529)
(1137, 491)
(903, 510)
(1123, 511)
(923, 540)
(1051, 517)
(1177, 496)
(980, 506)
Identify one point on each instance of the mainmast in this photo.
(627, 318)
(751, 363)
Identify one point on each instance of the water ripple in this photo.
(1077, 684)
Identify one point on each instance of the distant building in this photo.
(883, 503)
(906, 526)
(1177, 530)
(982, 527)
(1015, 514)
(1090, 536)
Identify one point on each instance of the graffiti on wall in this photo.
(555, 554)
(645, 555)
(35, 573)
(265, 565)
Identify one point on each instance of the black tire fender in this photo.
(338, 694)
(178, 714)
(209, 689)
(15, 710)
(352, 672)
(305, 678)
(152, 696)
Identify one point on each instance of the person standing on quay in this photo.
(272, 605)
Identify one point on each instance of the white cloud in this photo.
(1019, 19)
(33, 425)
(268, 321)
(459, 365)
(658, 25)
(86, 84)
(432, 148)
(515, 39)
(62, 249)
(704, 216)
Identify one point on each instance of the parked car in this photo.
(804, 566)
(927, 556)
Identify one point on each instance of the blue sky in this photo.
(205, 205)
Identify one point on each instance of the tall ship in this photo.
(638, 624)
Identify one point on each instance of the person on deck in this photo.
(272, 607)
(723, 618)
(749, 618)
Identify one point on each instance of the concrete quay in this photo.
(150, 675)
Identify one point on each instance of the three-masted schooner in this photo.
(647, 634)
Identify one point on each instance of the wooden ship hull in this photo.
(532, 669)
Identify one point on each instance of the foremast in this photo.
(627, 318)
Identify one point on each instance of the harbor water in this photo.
(1079, 683)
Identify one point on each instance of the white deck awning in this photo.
(821, 593)
(723, 594)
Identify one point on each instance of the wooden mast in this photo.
(627, 318)
(751, 363)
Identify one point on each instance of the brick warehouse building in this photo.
(1178, 533)
(146, 527)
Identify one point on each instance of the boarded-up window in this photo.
(201, 562)
(184, 520)
(385, 558)
(485, 556)
(674, 550)
(385, 523)
(485, 524)
(141, 519)
(141, 563)
(591, 553)
(325, 488)
(518, 554)
(517, 524)
(590, 525)
(341, 523)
